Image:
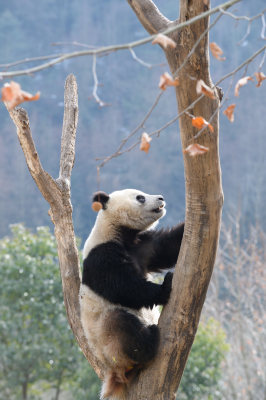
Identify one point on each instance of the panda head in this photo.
(130, 208)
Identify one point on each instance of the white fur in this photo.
(93, 312)
(94, 309)
(124, 209)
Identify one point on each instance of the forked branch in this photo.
(57, 194)
(149, 15)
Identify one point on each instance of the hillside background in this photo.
(30, 29)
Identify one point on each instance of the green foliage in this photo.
(203, 370)
(37, 348)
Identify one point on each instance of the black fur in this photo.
(117, 270)
(139, 342)
(101, 197)
(155, 250)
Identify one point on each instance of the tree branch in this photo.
(107, 49)
(149, 15)
(120, 151)
(57, 193)
(246, 62)
(69, 128)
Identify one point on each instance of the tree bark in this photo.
(57, 194)
(204, 198)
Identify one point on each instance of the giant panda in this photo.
(117, 301)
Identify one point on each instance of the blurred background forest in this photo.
(31, 29)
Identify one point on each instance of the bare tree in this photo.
(204, 197)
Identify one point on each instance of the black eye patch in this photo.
(140, 198)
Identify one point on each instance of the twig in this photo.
(27, 60)
(132, 133)
(96, 83)
(250, 20)
(262, 61)
(239, 17)
(119, 151)
(247, 61)
(105, 49)
(145, 64)
(262, 34)
(156, 132)
(136, 58)
(74, 43)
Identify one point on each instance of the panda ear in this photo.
(101, 197)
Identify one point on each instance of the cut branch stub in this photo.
(69, 128)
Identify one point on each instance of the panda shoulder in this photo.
(106, 259)
(105, 253)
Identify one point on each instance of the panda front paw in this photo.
(166, 288)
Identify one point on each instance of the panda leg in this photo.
(138, 342)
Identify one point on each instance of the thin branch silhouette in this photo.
(120, 150)
(112, 48)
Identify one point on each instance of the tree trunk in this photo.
(58, 386)
(24, 390)
(204, 198)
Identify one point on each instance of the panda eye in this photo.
(140, 198)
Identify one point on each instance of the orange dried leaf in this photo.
(196, 150)
(242, 82)
(216, 51)
(229, 112)
(202, 88)
(145, 142)
(164, 41)
(7, 93)
(260, 77)
(167, 80)
(12, 95)
(200, 122)
(96, 206)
